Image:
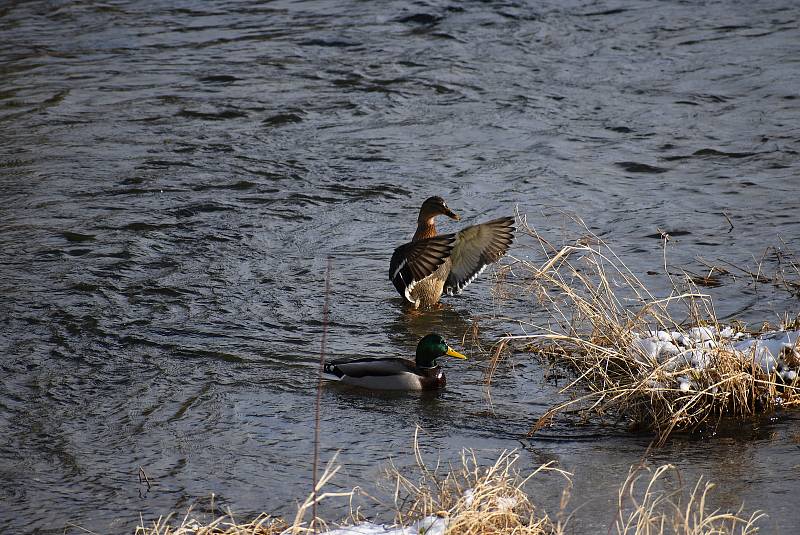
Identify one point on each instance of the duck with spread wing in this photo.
(431, 264)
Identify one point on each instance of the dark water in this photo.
(175, 174)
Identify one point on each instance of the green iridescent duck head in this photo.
(432, 347)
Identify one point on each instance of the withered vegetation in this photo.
(596, 307)
(474, 499)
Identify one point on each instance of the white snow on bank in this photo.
(430, 525)
(774, 352)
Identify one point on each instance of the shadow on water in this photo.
(409, 325)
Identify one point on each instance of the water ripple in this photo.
(175, 177)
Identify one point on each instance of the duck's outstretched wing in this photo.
(475, 248)
(369, 367)
(416, 260)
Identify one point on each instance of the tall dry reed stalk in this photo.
(652, 506)
(318, 401)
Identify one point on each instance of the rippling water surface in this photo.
(175, 174)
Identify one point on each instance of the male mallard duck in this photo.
(431, 264)
(398, 373)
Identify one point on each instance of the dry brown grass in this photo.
(475, 500)
(471, 499)
(491, 500)
(658, 506)
(596, 305)
(264, 524)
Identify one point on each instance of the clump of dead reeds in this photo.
(598, 308)
(473, 500)
(263, 524)
(658, 506)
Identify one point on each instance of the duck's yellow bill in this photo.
(453, 353)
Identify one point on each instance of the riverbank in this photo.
(481, 499)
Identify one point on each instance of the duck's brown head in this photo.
(434, 206)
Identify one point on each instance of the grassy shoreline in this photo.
(475, 499)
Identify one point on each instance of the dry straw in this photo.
(475, 500)
(656, 506)
(264, 524)
(596, 306)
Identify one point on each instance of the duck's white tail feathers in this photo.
(331, 368)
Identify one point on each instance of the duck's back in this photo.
(386, 374)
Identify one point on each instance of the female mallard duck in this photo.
(398, 373)
(432, 264)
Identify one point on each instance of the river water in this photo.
(175, 175)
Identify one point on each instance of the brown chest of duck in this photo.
(432, 264)
(396, 373)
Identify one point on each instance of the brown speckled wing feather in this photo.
(416, 260)
(475, 248)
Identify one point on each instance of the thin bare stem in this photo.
(318, 405)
